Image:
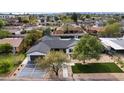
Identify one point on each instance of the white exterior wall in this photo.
(28, 57)
(34, 54)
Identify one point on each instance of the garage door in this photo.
(34, 57)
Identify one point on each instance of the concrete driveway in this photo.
(31, 71)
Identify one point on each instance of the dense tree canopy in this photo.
(4, 34)
(2, 23)
(5, 66)
(87, 16)
(5, 48)
(74, 17)
(66, 19)
(47, 31)
(122, 16)
(56, 18)
(28, 20)
(31, 38)
(24, 20)
(111, 21)
(111, 30)
(33, 20)
(87, 48)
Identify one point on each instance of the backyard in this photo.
(96, 68)
(10, 60)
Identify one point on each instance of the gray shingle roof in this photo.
(40, 47)
(119, 42)
(47, 44)
(49, 38)
(58, 44)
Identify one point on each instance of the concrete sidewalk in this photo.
(99, 77)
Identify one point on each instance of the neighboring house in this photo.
(68, 30)
(122, 26)
(89, 22)
(122, 22)
(5, 16)
(94, 29)
(16, 43)
(30, 27)
(99, 23)
(13, 22)
(116, 44)
(51, 43)
(15, 30)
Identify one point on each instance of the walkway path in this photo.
(100, 76)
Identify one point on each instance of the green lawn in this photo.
(15, 60)
(96, 68)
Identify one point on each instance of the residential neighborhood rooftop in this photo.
(49, 43)
(15, 42)
(115, 43)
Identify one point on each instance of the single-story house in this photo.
(15, 30)
(94, 29)
(50, 43)
(16, 43)
(31, 27)
(116, 44)
(68, 30)
(5, 16)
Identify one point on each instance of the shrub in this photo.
(5, 48)
(4, 34)
(23, 32)
(5, 67)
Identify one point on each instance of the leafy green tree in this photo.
(47, 31)
(33, 20)
(122, 16)
(56, 18)
(19, 19)
(53, 61)
(117, 18)
(5, 48)
(111, 30)
(4, 34)
(2, 23)
(82, 17)
(25, 20)
(28, 20)
(5, 67)
(74, 17)
(66, 19)
(111, 21)
(88, 16)
(87, 48)
(48, 18)
(31, 39)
